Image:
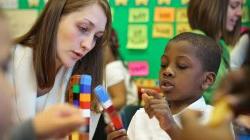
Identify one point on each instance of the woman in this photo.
(219, 19)
(66, 39)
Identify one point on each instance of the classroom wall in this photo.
(144, 27)
(175, 22)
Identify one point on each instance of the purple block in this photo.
(85, 88)
(76, 103)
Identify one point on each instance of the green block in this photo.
(76, 89)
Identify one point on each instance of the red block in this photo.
(85, 105)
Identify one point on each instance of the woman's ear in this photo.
(207, 80)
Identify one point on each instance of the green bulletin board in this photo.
(155, 46)
(122, 21)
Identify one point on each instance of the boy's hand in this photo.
(156, 105)
(113, 134)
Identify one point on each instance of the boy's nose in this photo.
(168, 72)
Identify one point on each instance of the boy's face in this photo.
(181, 72)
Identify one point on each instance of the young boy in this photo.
(188, 67)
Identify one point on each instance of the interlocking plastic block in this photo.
(85, 80)
(76, 89)
(85, 97)
(106, 102)
(85, 105)
(75, 136)
(85, 89)
(85, 113)
(75, 79)
(102, 95)
(76, 103)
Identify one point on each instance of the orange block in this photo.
(85, 97)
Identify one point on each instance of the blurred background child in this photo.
(120, 85)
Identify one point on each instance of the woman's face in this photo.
(234, 12)
(78, 33)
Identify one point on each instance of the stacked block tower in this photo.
(80, 97)
(106, 102)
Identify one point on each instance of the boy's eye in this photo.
(182, 66)
(164, 61)
(163, 66)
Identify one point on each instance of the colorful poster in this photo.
(182, 27)
(138, 68)
(121, 2)
(163, 14)
(138, 15)
(184, 2)
(45, 1)
(163, 30)
(112, 14)
(18, 25)
(181, 15)
(9, 4)
(148, 83)
(141, 2)
(33, 3)
(161, 2)
(137, 37)
(245, 14)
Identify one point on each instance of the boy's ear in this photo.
(208, 80)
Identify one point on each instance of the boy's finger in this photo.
(147, 108)
(153, 93)
(116, 134)
(109, 128)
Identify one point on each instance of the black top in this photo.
(100, 133)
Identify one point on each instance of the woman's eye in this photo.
(233, 6)
(97, 38)
(83, 29)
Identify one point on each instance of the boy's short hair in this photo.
(206, 49)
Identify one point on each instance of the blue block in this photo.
(102, 94)
(76, 103)
(85, 89)
(85, 80)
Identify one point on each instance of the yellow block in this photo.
(85, 97)
(221, 110)
(75, 136)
